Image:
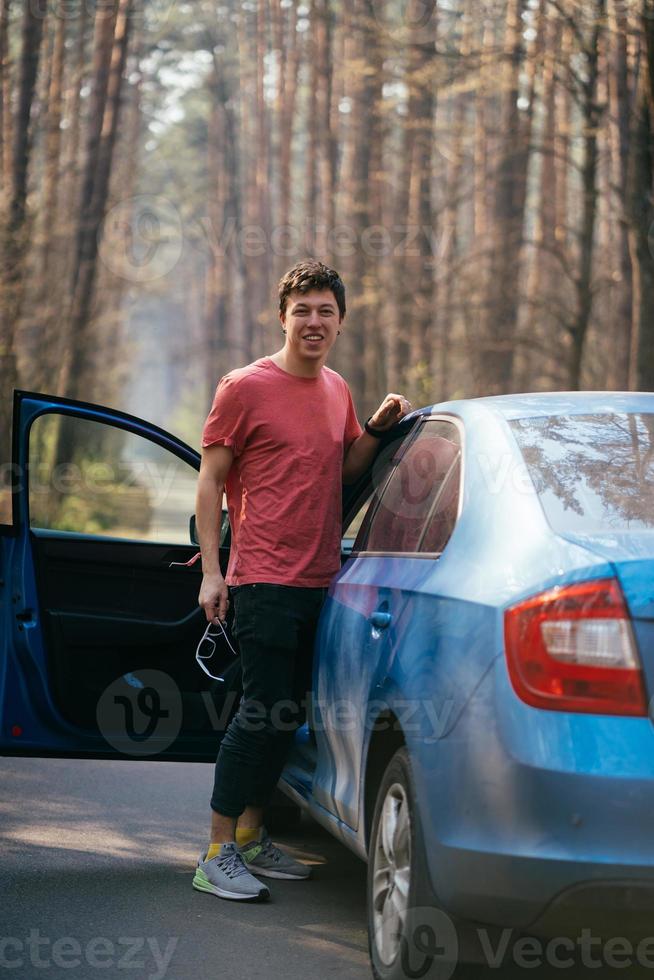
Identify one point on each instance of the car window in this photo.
(410, 498)
(445, 509)
(593, 473)
(94, 478)
(354, 525)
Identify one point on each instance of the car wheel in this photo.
(406, 937)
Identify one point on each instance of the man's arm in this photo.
(364, 449)
(359, 457)
(215, 465)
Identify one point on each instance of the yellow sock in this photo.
(246, 834)
(213, 850)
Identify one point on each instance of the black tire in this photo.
(401, 944)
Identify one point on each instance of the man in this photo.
(281, 437)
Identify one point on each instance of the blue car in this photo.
(479, 729)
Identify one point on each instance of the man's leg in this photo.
(262, 857)
(267, 634)
(267, 641)
(306, 604)
(275, 628)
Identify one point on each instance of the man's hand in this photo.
(392, 409)
(362, 452)
(214, 598)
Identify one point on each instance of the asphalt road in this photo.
(95, 881)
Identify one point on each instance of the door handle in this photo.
(381, 620)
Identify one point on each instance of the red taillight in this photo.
(572, 649)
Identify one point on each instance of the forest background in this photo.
(479, 172)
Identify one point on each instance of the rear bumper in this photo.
(540, 820)
(609, 909)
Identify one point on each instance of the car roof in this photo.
(541, 404)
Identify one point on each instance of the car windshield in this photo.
(593, 473)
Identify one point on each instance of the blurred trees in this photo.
(480, 171)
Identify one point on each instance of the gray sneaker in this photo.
(265, 859)
(225, 875)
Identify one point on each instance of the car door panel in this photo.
(90, 611)
(373, 613)
(353, 658)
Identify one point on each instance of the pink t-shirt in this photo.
(289, 436)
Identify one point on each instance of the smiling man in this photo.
(281, 437)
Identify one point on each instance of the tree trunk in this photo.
(312, 48)
(619, 101)
(5, 98)
(508, 213)
(538, 320)
(52, 170)
(217, 280)
(16, 231)
(591, 116)
(648, 31)
(641, 213)
(111, 39)
(324, 108)
(364, 134)
(421, 78)
(289, 94)
(228, 259)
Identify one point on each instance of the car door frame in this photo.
(19, 569)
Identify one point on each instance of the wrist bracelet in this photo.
(375, 433)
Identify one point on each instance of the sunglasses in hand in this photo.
(207, 647)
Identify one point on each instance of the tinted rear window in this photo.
(593, 473)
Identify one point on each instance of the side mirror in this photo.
(224, 530)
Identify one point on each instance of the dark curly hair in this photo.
(311, 274)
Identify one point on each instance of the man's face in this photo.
(311, 321)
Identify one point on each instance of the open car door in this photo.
(100, 619)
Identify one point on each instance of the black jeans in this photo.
(275, 626)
